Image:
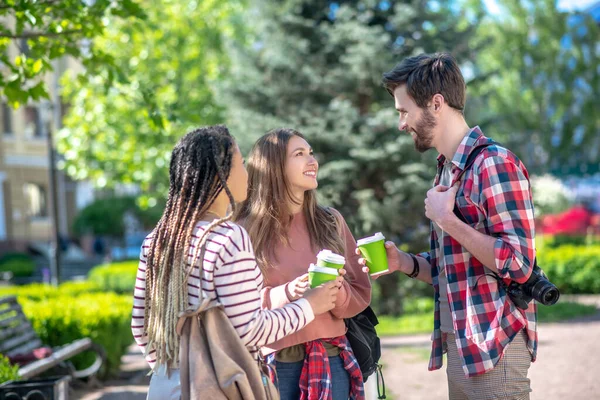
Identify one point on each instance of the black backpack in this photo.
(361, 333)
(366, 345)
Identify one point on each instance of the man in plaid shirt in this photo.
(490, 343)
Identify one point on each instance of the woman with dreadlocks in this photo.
(288, 229)
(207, 179)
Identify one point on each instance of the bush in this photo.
(41, 291)
(77, 310)
(115, 277)
(550, 194)
(554, 241)
(422, 322)
(573, 269)
(8, 372)
(20, 264)
(106, 216)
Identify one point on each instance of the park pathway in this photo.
(566, 367)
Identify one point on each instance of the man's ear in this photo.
(437, 101)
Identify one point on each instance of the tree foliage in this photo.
(107, 216)
(316, 66)
(540, 98)
(126, 133)
(46, 30)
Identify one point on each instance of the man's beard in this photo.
(424, 131)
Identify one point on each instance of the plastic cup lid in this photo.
(323, 270)
(330, 256)
(376, 237)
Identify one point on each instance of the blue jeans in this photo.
(288, 375)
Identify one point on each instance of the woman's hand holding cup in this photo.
(296, 288)
(323, 297)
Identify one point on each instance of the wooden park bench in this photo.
(18, 337)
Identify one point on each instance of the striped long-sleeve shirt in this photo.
(230, 276)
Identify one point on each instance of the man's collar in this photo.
(471, 140)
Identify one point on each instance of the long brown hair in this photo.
(200, 166)
(266, 214)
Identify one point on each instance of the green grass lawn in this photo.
(423, 322)
(563, 311)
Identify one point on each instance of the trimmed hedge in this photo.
(41, 291)
(20, 264)
(77, 310)
(116, 277)
(106, 216)
(554, 241)
(573, 269)
(8, 372)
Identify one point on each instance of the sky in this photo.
(566, 5)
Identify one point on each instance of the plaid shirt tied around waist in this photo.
(315, 378)
(494, 197)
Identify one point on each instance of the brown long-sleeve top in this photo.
(292, 261)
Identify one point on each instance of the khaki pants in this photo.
(508, 380)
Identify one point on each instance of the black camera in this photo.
(537, 287)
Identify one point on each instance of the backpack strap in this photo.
(468, 164)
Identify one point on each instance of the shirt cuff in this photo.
(509, 263)
(306, 309)
(278, 296)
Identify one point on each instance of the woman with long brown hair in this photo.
(207, 179)
(288, 228)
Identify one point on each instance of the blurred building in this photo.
(25, 200)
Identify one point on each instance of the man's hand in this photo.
(439, 204)
(394, 257)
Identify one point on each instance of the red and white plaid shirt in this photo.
(315, 379)
(495, 198)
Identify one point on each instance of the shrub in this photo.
(103, 317)
(40, 291)
(573, 269)
(550, 194)
(554, 241)
(76, 310)
(419, 305)
(8, 372)
(115, 277)
(20, 264)
(106, 216)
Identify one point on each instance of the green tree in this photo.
(316, 66)
(126, 133)
(544, 79)
(43, 31)
(107, 216)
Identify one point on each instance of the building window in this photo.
(33, 124)
(6, 119)
(36, 200)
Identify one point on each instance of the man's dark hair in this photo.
(426, 75)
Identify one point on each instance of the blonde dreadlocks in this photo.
(198, 172)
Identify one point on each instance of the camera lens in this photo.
(545, 292)
(550, 296)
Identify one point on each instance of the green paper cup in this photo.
(327, 258)
(372, 249)
(319, 275)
